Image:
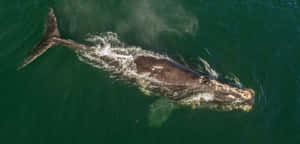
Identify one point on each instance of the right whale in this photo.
(153, 73)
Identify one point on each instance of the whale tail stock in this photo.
(51, 32)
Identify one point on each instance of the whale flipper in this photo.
(160, 111)
(50, 31)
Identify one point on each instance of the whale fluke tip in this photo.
(50, 31)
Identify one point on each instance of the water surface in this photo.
(58, 99)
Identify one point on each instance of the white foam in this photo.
(108, 45)
(208, 68)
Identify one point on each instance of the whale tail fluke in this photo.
(50, 32)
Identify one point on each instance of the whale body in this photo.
(153, 73)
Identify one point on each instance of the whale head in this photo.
(224, 97)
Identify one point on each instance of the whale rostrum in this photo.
(153, 73)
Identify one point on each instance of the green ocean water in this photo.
(60, 100)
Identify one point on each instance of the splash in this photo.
(105, 38)
(208, 68)
(231, 77)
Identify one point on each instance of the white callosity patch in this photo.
(157, 67)
(245, 94)
(230, 96)
(198, 99)
(201, 97)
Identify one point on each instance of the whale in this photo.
(153, 73)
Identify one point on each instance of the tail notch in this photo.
(50, 31)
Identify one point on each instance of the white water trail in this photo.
(111, 55)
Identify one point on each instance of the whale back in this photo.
(164, 70)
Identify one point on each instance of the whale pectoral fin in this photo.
(160, 111)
